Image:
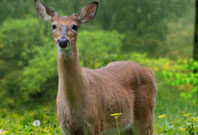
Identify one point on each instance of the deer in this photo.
(86, 97)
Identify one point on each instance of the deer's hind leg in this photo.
(143, 123)
(143, 113)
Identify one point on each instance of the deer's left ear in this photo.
(45, 12)
(88, 12)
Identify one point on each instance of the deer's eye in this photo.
(74, 27)
(54, 26)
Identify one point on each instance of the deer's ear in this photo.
(45, 12)
(88, 12)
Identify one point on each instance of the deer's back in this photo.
(118, 87)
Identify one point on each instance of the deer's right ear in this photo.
(45, 12)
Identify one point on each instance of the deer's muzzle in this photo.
(63, 42)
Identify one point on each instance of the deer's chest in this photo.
(74, 126)
(70, 121)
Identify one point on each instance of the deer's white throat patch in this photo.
(68, 51)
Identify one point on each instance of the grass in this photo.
(21, 122)
(169, 105)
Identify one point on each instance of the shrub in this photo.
(17, 40)
(184, 77)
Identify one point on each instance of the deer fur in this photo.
(87, 97)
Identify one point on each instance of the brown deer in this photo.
(87, 97)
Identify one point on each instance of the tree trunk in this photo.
(195, 49)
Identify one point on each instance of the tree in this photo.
(195, 49)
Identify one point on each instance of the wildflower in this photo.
(116, 115)
(3, 132)
(50, 127)
(45, 129)
(36, 123)
(181, 129)
(162, 116)
(187, 114)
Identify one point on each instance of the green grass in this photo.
(19, 122)
(168, 102)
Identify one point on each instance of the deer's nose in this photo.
(63, 42)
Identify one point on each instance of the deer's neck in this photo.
(72, 81)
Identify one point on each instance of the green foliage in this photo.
(16, 9)
(42, 70)
(184, 124)
(96, 46)
(191, 124)
(131, 15)
(151, 41)
(184, 77)
(143, 22)
(16, 43)
(17, 40)
(179, 42)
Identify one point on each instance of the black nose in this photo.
(63, 42)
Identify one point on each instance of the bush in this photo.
(184, 77)
(17, 40)
(95, 46)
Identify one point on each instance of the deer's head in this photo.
(65, 28)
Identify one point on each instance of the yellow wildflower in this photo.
(181, 129)
(116, 115)
(50, 127)
(4, 132)
(187, 114)
(45, 130)
(162, 116)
